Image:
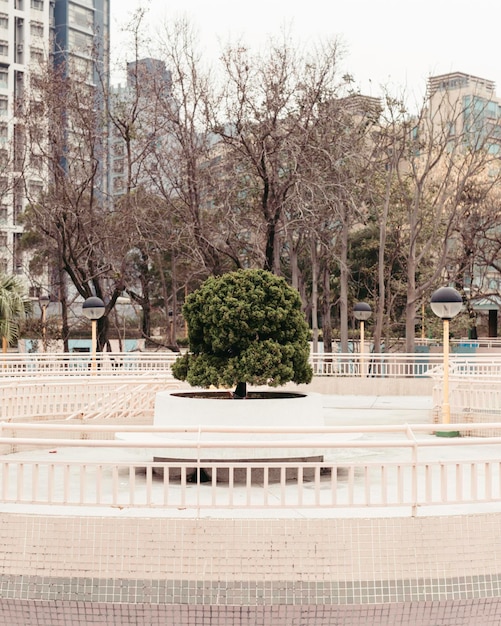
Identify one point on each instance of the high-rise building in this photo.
(469, 106)
(81, 42)
(33, 32)
(81, 33)
(24, 39)
(148, 84)
(471, 112)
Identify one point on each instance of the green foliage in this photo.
(245, 326)
(14, 305)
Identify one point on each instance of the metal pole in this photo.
(446, 409)
(44, 328)
(94, 345)
(362, 341)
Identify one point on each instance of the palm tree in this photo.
(14, 306)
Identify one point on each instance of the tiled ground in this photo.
(78, 569)
(467, 613)
(306, 572)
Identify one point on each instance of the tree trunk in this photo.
(326, 310)
(103, 325)
(173, 318)
(65, 327)
(240, 391)
(343, 288)
(410, 307)
(314, 294)
(294, 266)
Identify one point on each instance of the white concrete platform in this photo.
(338, 410)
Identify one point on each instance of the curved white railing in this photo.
(426, 471)
(374, 365)
(85, 397)
(77, 364)
(398, 365)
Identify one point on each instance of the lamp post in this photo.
(93, 309)
(43, 301)
(124, 301)
(362, 311)
(446, 303)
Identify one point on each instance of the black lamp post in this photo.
(93, 309)
(362, 312)
(446, 303)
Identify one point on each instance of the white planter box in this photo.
(280, 410)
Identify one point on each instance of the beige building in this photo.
(469, 107)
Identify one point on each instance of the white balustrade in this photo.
(60, 387)
(85, 397)
(77, 364)
(65, 472)
(376, 365)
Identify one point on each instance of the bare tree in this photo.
(268, 110)
(426, 167)
(68, 203)
(333, 181)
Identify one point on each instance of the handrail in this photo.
(373, 365)
(409, 481)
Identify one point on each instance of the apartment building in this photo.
(469, 106)
(148, 89)
(33, 32)
(24, 39)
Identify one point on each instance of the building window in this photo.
(35, 188)
(37, 5)
(3, 240)
(4, 20)
(36, 161)
(80, 42)
(37, 108)
(36, 29)
(36, 54)
(4, 211)
(4, 77)
(4, 48)
(118, 166)
(83, 68)
(4, 105)
(80, 16)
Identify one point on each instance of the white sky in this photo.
(393, 42)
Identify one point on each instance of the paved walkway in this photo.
(339, 410)
(373, 410)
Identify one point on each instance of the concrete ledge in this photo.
(367, 386)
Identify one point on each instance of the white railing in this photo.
(85, 397)
(47, 466)
(473, 399)
(374, 365)
(77, 364)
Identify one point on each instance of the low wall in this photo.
(368, 386)
(83, 570)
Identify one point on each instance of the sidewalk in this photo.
(338, 411)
